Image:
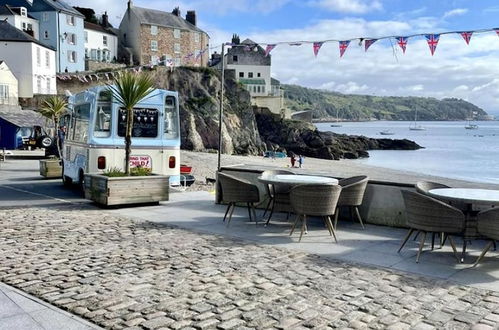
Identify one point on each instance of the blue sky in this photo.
(456, 70)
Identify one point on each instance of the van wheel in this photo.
(81, 183)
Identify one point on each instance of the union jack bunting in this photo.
(369, 42)
(467, 36)
(432, 40)
(269, 49)
(402, 42)
(343, 46)
(497, 31)
(317, 46)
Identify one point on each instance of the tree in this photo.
(129, 89)
(53, 108)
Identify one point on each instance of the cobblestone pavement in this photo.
(123, 274)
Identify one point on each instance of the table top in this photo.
(297, 179)
(466, 195)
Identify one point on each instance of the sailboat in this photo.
(470, 125)
(337, 124)
(416, 126)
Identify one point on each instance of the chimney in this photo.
(176, 11)
(191, 17)
(235, 39)
(130, 4)
(105, 20)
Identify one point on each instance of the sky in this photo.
(469, 72)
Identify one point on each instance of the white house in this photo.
(101, 44)
(30, 61)
(8, 86)
(21, 19)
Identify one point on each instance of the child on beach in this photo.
(300, 161)
(293, 160)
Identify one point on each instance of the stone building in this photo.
(253, 69)
(151, 36)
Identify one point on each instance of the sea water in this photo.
(449, 151)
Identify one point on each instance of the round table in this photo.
(293, 180)
(468, 196)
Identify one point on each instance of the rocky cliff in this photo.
(245, 132)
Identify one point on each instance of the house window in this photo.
(196, 36)
(48, 85)
(258, 89)
(234, 58)
(71, 38)
(177, 61)
(154, 45)
(104, 40)
(250, 74)
(176, 33)
(47, 59)
(263, 89)
(24, 12)
(86, 36)
(4, 92)
(154, 59)
(38, 57)
(45, 17)
(258, 75)
(70, 19)
(38, 84)
(46, 34)
(176, 48)
(72, 56)
(93, 54)
(241, 74)
(154, 30)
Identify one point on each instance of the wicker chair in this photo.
(429, 215)
(423, 187)
(352, 194)
(315, 200)
(277, 195)
(235, 190)
(488, 226)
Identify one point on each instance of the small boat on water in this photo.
(337, 123)
(386, 132)
(416, 126)
(471, 126)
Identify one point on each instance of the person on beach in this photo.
(293, 160)
(300, 161)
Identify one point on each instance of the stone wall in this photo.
(96, 65)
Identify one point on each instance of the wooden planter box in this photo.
(126, 190)
(50, 168)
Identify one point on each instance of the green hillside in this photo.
(364, 107)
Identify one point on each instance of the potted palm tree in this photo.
(53, 108)
(131, 185)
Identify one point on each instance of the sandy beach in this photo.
(205, 166)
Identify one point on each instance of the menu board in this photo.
(145, 122)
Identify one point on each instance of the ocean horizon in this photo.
(449, 150)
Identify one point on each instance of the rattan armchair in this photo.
(236, 190)
(423, 187)
(314, 200)
(488, 226)
(429, 215)
(277, 194)
(352, 194)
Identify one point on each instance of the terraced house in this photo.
(156, 37)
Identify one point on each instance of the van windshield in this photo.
(145, 122)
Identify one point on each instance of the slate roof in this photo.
(43, 5)
(5, 10)
(62, 6)
(161, 18)
(97, 27)
(274, 81)
(11, 33)
(23, 118)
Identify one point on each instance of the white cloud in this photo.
(455, 12)
(349, 6)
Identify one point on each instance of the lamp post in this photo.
(221, 109)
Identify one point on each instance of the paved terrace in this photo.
(184, 269)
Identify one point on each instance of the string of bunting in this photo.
(431, 38)
(169, 62)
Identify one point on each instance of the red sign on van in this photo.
(140, 161)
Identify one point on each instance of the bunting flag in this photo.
(317, 47)
(269, 49)
(369, 42)
(343, 46)
(467, 36)
(432, 40)
(497, 31)
(402, 42)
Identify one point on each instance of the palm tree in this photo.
(128, 90)
(53, 108)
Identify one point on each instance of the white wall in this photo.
(130, 27)
(264, 71)
(21, 58)
(95, 41)
(17, 21)
(8, 79)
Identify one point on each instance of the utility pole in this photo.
(221, 110)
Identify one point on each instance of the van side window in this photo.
(81, 116)
(102, 127)
(170, 119)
